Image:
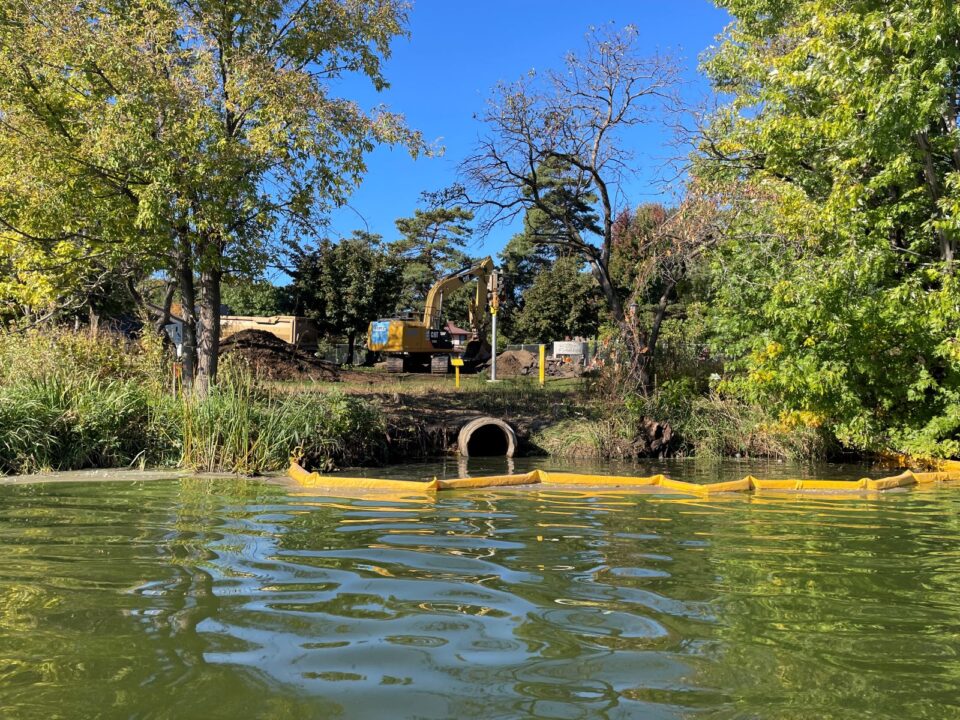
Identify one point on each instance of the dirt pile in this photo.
(513, 363)
(273, 359)
(518, 363)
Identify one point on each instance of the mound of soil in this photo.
(514, 363)
(273, 359)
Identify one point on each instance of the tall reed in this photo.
(69, 401)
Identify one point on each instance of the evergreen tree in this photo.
(431, 245)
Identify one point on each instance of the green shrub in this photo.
(716, 424)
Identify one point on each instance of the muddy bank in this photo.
(421, 427)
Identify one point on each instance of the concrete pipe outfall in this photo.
(487, 437)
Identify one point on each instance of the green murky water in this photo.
(231, 599)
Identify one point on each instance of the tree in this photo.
(520, 261)
(557, 145)
(191, 135)
(344, 286)
(541, 241)
(432, 244)
(632, 231)
(562, 302)
(257, 297)
(836, 284)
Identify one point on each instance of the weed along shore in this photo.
(70, 401)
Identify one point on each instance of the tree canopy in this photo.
(555, 149)
(345, 285)
(562, 301)
(190, 137)
(432, 244)
(836, 284)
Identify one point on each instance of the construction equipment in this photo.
(413, 345)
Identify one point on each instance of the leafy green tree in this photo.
(193, 136)
(345, 285)
(562, 301)
(520, 261)
(431, 245)
(257, 297)
(838, 160)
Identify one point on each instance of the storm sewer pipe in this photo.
(487, 437)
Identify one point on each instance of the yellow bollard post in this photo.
(457, 364)
(543, 364)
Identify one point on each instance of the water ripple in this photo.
(230, 599)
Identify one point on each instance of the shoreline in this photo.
(108, 475)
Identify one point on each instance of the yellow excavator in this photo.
(415, 345)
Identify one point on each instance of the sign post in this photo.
(457, 364)
(543, 364)
(494, 291)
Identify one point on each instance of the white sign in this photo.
(570, 347)
(175, 333)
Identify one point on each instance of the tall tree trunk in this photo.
(351, 339)
(602, 274)
(188, 303)
(209, 349)
(649, 355)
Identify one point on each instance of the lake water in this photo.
(236, 599)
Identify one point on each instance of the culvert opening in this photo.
(487, 437)
(488, 441)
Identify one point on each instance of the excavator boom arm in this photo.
(479, 272)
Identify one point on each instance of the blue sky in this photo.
(458, 50)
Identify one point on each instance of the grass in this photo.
(69, 401)
(587, 438)
(243, 428)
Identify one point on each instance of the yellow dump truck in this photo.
(418, 345)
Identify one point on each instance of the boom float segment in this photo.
(949, 472)
(315, 479)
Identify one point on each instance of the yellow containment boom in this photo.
(948, 472)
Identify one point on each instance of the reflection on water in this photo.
(230, 599)
(689, 470)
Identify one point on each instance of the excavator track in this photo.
(394, 364)
(438, 364)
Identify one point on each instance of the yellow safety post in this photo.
(457, 364)
(543, 364)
